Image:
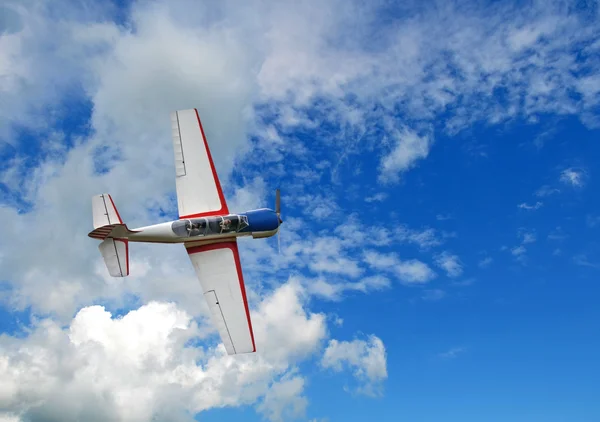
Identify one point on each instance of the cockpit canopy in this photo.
(206, 226)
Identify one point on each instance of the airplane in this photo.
(206, 228)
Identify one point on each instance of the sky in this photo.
(437, 162)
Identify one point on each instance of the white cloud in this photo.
(485, 262)
(144, 357)
(410, 271)
(366, 358)
(592, 220)
(528, 238)
(583, 261)
(573, 177)
(409, 148)
(178, 54)
(425, 238)
(335, 290)
(518, 251)
(545, 191)
(378, 197)
(452, 353)
(433, 295)
(528, 207)
(449, 263)
(284, 400)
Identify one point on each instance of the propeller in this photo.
(278, 212)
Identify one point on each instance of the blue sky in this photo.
(437, 162)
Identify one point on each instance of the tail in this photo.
(109, 228)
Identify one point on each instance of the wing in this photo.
(218, 267)
(199, 191)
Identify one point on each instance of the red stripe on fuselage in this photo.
(236, 255)
(224, 210)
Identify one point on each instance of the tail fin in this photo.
(109, 228)
(104, 211)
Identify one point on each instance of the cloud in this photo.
(425, 239)
(519, 252)
(410, 271)
(573, 177)
(592, 220)
(335, 290)
(378, 197)
(452, 353)
(449, 263)
(149, 356)
(409, 148)
(255, 72)
(365, 358)
(433, 295)
(546, 191)
(528, 207)
(485, 262)
(528, 238)
(583, 261)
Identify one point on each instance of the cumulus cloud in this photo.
(366, 359)
(150, 356)
(254, 72)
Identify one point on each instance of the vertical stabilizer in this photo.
(104, 211)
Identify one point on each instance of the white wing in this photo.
(218, 268)
(198, 188)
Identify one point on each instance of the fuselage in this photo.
(258, 223)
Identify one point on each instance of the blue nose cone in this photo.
(262, 220)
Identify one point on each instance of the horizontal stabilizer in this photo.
(116, 256)
(110, 230)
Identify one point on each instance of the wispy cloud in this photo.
(452, 353)
(592, 220)
(573, 177)
(485, 262)
(409, 148)
(449, 263)
(546, 191)
(378, 197)
(528, 207)
(583, 261)
(426, 238)
(433, 295)
(410, 271)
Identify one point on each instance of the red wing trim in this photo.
(115, 208)
(236, 255)
(224, 210)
